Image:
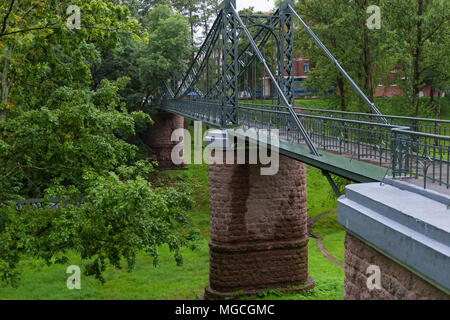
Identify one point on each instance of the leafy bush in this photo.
(115, 220)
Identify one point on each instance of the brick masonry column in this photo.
(159, 137)
(397, 282)
(258, 229)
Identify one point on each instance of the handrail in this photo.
(394, 126)
(420, 134)
(325, 118)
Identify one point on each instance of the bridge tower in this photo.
(258, 223)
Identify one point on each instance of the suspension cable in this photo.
(337, 64)
(305, 135)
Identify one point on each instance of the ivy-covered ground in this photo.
(171, 282)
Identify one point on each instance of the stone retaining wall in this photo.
(397, 282)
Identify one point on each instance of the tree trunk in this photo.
(191, 23)
(367, 75)
(416, 60)
(252, 72)
(207, 63)
(6, 84)
(432, 94)
(341, 87)
(368, 85)
(438, 110)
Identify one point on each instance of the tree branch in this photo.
(28, 29)
(5, 20)
(432, 32)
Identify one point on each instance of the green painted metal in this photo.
(280, 92)
(229, 88)
(359, 150)
(263, 35)
(190, 78)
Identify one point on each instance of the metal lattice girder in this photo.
(230, 69)
(198, 91)
(286, 52)
(169, 90)
(263, 34)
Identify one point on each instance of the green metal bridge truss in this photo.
(363, 147)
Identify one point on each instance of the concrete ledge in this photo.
(411, 228)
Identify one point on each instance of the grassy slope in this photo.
(332, 235)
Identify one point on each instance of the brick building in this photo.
(388, 87)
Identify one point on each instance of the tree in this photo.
(66, 141)
(148, 63)
(38, 52)
(334, 22)
(191, 10)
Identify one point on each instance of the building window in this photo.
(380, 82)
(306, 67)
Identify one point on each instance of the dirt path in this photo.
(319, 239)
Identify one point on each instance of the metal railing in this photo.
(410, 147)
(421, 155)
(424, 125)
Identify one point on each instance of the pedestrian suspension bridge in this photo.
(239, 80)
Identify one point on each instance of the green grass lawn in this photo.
(332, 234)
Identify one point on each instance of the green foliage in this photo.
(68, 140)
(413, 40)
(44, 145)
(148, 63)
(114, 220)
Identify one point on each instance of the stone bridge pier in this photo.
(258, 229)
(159, 138)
